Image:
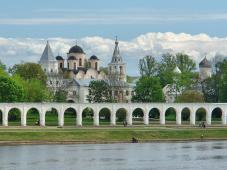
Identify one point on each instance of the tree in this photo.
(99, 92)
(148, 89)
(190, 96)
(10, 90)
(29, 71)
(148, 66)
(60, 96)
(2, 66)
(184, 63)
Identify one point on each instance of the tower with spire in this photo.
(48, 61)
(205, 69)
(117, 68)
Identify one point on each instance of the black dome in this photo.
(76, 49)
(59, 57)
(93, 57)
(72, 58)
(205, 63)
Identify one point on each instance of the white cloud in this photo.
(15, 50)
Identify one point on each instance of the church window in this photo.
(121, 70)
(68, 65)
(50, 82)
(127, 92)
(80, 62)
(61, 65)
(57, 82)
(74, 65)
(51, 70)
(74, 92)
(96, 65)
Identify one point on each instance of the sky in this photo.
(143, 27)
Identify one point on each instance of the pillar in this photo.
(23, 118)
(96, 118)
(208, 117)
(42, 119)
(4, 118)
(223, 117)
(192, 118)
(146, 117)
(162, 118)
(61, 119)
(113, 118)
(178, 117)
(79, 118)
(129, 117)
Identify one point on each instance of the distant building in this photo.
(205, 69)
(80, 71)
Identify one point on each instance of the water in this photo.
(146, 156)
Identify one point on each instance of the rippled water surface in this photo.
(193, 155)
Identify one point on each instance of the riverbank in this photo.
(71, 135)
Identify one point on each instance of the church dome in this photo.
(205, 63)
(72, 58)
(59, 57)
(93, 57)
(76, 49)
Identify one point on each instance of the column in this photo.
(79, 118)
(223, 118)
(192, 117)
(162, 118)
(208, 117)
(178, 117)
(23, 118)
(146, 118)
(129, 117)
(96, 118)
(4, 118)
(42, 118)
(61, 119)
(113, 118)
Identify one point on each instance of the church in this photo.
(75, 73)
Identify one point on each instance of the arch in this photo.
(216, 115)
(87, 116)
(51, 117)
(70, 115)
(200, 115)
(185, 115)
(1, 116)
(104, 116)
(154, 116)
(14, 117)
(137, 116)
(33, 117)
(70, 101)
(171, 115)
(121, 115)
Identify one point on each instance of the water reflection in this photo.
(194, 155)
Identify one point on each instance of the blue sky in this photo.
(144, 27)
(125, 18)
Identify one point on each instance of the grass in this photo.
(110, 134)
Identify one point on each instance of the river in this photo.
(140, 156)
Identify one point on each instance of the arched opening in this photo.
(96, 66)
(70, 101)
(154, 116)
(104, 116)
(170, 116)
(121, 116)
(185, 115)
(51, 117)
(70, 115)
(14, 117)
(137, 116)
(87, 116)
(200, 115)
(80, 62)
(1, 117)
(216, 116)
(33, 118)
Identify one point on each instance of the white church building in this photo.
(75, 73)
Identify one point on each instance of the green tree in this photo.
(10, 90)
(29, 71)
(190, 96)
(148, 89)
(60, 96)
(148, 66)
(2, 66)
(184, 63)
(99, 92)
